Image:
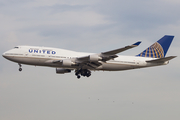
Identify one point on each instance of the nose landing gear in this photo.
(20, 69)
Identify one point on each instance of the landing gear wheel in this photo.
(89, 75)
(78, 76)
(82, 72)
(20, 69)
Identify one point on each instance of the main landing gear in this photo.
(20, 69)
(82, 72)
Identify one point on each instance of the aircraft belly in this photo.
(37, 62)
(116, 67)
(27, 60)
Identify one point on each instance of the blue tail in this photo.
(159, 48)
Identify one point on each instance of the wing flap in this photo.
(85, 61)
(94, 64)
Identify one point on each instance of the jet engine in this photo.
(62, 71)
(67, 63)
(94, 58)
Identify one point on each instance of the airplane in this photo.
(66, 61)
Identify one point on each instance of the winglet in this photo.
(137, 43)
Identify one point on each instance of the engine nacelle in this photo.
(62, 71)
(67, 63)
(94, 58)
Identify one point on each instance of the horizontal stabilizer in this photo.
(161, 60)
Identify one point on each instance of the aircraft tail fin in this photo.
(159, 48)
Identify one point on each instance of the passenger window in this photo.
(16, 47)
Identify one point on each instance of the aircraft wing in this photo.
(94, 60)
(113, 52)
(105, 56)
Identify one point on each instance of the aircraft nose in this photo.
(3, 54)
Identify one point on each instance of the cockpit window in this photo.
(16, 47)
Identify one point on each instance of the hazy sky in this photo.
(38, 93)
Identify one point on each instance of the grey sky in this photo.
(37, 93)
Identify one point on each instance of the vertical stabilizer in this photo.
(159, 48)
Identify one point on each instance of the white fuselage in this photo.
(43, 56)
